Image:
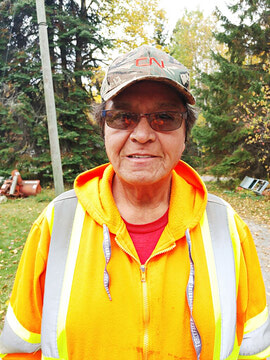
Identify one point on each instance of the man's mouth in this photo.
(140, 156)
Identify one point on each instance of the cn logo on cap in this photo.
(145, 61)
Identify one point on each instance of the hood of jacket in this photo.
(187, 203)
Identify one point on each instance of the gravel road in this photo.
(261, 235)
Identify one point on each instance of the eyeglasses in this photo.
(159, 121)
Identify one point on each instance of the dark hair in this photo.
(191, 117)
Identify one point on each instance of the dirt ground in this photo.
(261, 235)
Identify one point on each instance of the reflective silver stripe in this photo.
(64, 210)
(71, 261)
(256, 341)
(10, 342)
(225, 271)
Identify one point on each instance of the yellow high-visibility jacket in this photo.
(81, 293)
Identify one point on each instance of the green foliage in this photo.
(74, 32)
(16, 218)
(254, 117)
(80, 36)
(226, 95)
(160, 34)
(131, 23)
(192, 41)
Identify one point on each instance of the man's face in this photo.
(143, 156)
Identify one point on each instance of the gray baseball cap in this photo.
(145, 63)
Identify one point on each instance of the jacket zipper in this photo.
(145, 303)
(146, 317)
(145, 313)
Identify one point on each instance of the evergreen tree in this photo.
(241, 75)
(79, 26)
(160, 33)
(75, 39)
(20, 93)
(79, 39)
(191, 43)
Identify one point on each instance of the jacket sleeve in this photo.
(256, 339)
(21, 336)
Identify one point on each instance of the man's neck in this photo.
(141, 204)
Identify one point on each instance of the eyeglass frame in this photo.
(138, 117)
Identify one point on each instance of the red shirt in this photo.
(146, 236)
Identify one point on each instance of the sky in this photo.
(175, 8)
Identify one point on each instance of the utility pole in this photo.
(49, 98)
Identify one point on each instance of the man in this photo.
(140, 262)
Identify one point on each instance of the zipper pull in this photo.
(143, 273)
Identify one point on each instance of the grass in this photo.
(17, 216)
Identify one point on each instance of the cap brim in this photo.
(181, 89)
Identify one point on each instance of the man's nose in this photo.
(143, 131)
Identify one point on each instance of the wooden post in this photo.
(49, 98)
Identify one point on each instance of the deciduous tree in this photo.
(192, 42)
(131, 23)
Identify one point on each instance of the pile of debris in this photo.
(259, 186)
(15, 187)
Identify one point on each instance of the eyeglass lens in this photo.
(159, 121)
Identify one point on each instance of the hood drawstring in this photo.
(107, 254)
(190, 296)
(189, 291)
